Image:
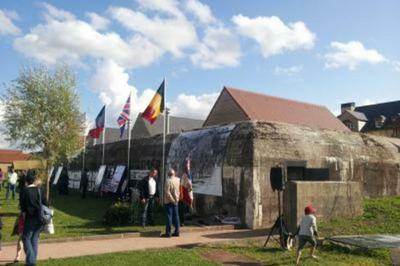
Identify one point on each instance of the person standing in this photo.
(63, 182)
(171, 200)
(21, 181)
(84, 182)
(186, 193)
(30, 203)
(148, 195)
(307, 232)
(12, 183)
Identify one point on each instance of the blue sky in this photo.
(323, 52)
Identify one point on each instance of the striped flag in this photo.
(124, 116)
(100, 121)
(156, 106)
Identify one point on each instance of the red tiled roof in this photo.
(8, 156)
(263, 107)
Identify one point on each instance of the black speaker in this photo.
(277, 179)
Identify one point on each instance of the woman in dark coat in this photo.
(30, 202)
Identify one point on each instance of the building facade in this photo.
(381, 119)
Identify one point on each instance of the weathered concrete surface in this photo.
(372, 161)
(144, 154)
(253, 148)
(332, 199)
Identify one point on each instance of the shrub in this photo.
(118, 214)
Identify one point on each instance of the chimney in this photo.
(348, 106)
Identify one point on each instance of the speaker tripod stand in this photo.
(279, 227)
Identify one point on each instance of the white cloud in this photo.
(201, 11)
(288, 71)
(111, 83)
(7, 27)
(4, 144)
(396, 65)
(56, 13)
(173, 34)
(193, 106)
(367, 102)
(350, 55)
(98, 22)
(273, 36)
(165, 6)
(219, 48)
(65, 38)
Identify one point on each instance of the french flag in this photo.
(100, 121)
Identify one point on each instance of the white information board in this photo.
(59, 170)
(99, 177)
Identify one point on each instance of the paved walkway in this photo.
(93, 247)
(396, 256)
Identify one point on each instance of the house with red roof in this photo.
(234, 105)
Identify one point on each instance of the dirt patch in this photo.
(227, 258)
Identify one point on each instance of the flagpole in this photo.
(163, 173)
(129, 148)
(84, 146)
(84, 152)
(104, 138)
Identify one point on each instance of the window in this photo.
(379, 121)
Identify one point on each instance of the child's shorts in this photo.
(304, 239)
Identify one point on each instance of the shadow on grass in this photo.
(360, 252)
(75, 215)
(238, 234)
(9, 214)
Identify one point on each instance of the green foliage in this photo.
(42, 112)
(118, 214)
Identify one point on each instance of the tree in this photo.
(42, 113)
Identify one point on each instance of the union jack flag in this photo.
(124, 116)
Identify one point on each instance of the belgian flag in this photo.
(156, 106)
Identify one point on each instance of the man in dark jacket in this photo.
(84, 182)
(148, 194)
(63, 182)
(30, 201)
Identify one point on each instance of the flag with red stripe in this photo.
(156, 106)
(100, 121)
(124, 116)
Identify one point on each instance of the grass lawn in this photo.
(381, 216)
(77, 217)
(185, 257)
(74, 216)
(329, 255)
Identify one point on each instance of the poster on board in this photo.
(59, 170)
(206, 148)
(116, 178)
(99, 177)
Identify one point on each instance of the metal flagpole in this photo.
(104, 137)
(129, 147)
(163, 172)
(84, 146)
(84, 152)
